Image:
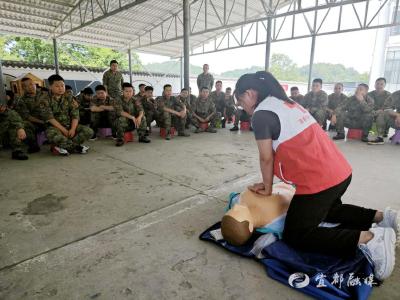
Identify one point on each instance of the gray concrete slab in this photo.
(123, 223)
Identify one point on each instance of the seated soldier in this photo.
(218, 98)
(149, 106)
(103, 115)
(230, 107)
(85, 99)
(249, 212)
(61, 112)
(142, 90)
(391, 115)
(28, 107)
(171, 111)
(354, 113)
(379, 95)
(296, 96)
(69, 90)
(12, 131)
(242, 116)
(129, 116)
(335, 100)
(316, 102)
(204, 111)
(185, 99)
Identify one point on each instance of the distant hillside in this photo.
(172, 67)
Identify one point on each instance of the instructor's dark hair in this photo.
(264, 83)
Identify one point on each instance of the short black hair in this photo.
(68, 87)
(142, 84)
(228, 89)
(364, 85)
(339, 83)
(127, 85)
(204, 88)
(381, 78)
(10, 94)
(113, 62)
(218, 81)
(294, 88)
(167, 85)
(87, 91)
(184, 89)
(100, 87)
(149, 88)
(55, 77)
(25, 79)
(316, 80)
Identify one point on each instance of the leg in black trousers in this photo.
(306, 212)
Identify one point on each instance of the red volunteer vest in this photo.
(304, 154)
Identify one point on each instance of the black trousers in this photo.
(306, 212)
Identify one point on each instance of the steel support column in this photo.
(186, 32)
(56, 56)
(268, 44)
(2, 83)
(130, 65)
(310, 69)
(181, 71)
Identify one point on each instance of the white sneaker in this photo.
(380, 251)
(59, 151)
(391, 218)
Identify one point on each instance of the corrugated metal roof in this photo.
(123, 24)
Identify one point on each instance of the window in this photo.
(392, 68)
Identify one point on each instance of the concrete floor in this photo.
(123, 223)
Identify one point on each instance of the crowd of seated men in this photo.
(359, 111)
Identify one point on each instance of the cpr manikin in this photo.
(249, 211)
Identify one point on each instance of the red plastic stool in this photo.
(396, 137)
(129, 137)
(163, 132)
(104, 132)
(244, 125)
(204, 125)
(354, 134)
(41, 138)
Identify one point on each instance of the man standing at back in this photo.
(205, 79)
(113, 80)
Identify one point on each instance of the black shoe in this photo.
(144, 139)
(234, 128)
(251, 128)
(19, 155)
(94, 137)
(364, 139)
(339, 136)
(377, 141)
(147, 133)
(223, 124)
(119, 142)
(33, 149)
(385, 135)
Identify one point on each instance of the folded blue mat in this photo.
(329, 277)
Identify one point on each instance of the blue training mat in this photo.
(281, 261)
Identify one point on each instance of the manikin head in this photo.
(28, 86)
(294, 91)
(113, 65)
(338, 89)
(316, 85)
(57, 85)
(380, 84)
(101, 92)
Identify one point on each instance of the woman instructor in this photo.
(293, 147)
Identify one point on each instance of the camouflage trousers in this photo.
(384, 121)
(8, 136)
(241, 115)
(151, 115)
(354, 121)
(55, 137)
(167, 120)
(319, 115)
(123, 125)
(213, 120)
(230, 111)
(104, 119)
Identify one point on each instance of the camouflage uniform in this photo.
(150, 110)
(299, 99)
(189, 115)
(379, 113)
(205, 80)
(113, 82)
(386, 121)
(64, 111)
(123, 124)
(10, 122)
(29, 106)
(316, 103)
(334, 102)
(166, 119)
(230, 107)
(219, 101)
(355, 114)
(204, 108)
(104, 119)
(84, 110)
